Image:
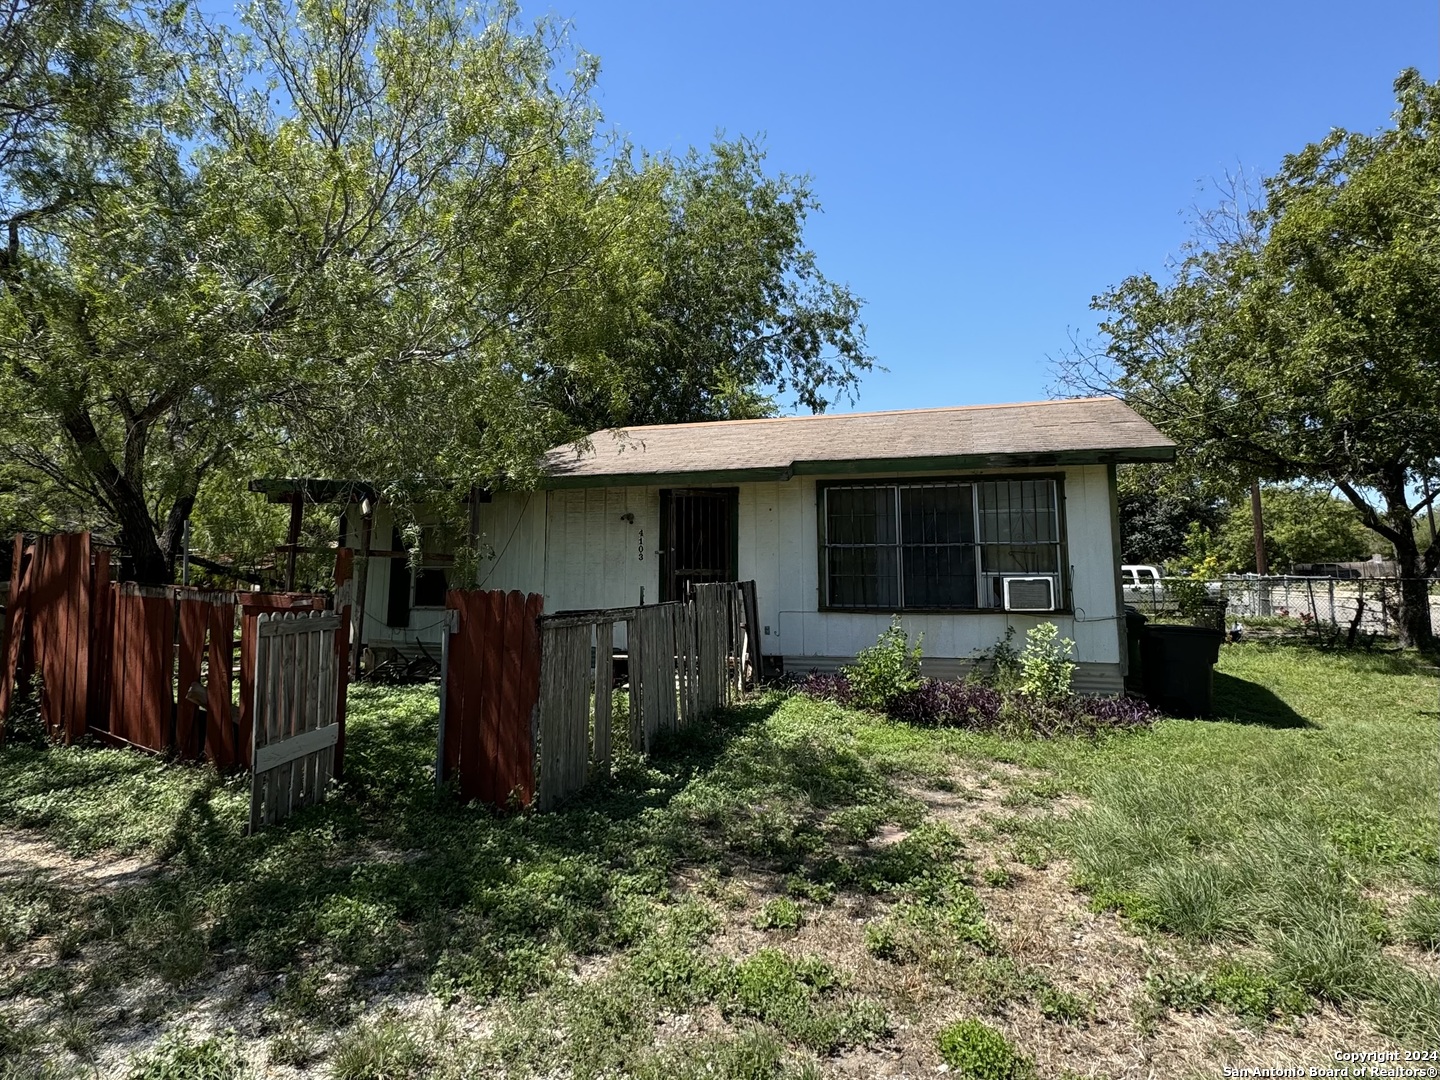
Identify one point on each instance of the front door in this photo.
(697, 538)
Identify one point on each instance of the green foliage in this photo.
(1249, 993)
(780, 914)
(179, 1057)
(423, 275)
(799, 999)
(1302, 525)
(1159, 505)
(997, 877)
(1185, 829)
(1421, 925)
(1191, 595)
(1293, 340)
(887, 669)
(1189, 833)
(1045, 665)
(382, 1049)
(979, 1052)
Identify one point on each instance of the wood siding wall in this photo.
(574, 546)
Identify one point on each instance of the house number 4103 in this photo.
(641, 549)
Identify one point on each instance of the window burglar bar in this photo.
(936, 546)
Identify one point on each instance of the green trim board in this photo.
(863, 465)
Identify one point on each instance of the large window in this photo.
(936, 546)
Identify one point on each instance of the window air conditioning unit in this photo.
(1030, 593)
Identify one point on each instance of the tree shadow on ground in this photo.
(392, 879)
(1240, 701)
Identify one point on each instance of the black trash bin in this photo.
(1134, 628)
(1178, 664)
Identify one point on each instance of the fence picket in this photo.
(604, 676)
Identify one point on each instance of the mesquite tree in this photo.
(1299, 338)
(382, 239)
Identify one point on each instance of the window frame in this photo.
(1065, 604)
(415, 570)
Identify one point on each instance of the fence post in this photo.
(1334, 620)
(449, 628)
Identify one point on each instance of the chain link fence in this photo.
(1371, 605)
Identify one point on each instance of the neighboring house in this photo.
(965, 521)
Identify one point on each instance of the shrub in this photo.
(1045, 665)
(977, 707)
(887, 677)
(980, 1052)
(886, 670)
(935, 703)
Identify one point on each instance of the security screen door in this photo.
(697, 538)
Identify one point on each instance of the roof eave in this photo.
(947, 463)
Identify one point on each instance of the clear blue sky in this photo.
(986, 168)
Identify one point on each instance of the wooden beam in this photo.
(292, 540)
(362, 583)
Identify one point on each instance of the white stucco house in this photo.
(964, 521)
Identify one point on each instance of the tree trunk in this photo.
(151, 559)
(1413, 621)
(1414, 616)
(1397, 524)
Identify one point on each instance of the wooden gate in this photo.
(298, 683)
(489, 688)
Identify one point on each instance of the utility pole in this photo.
(1258, 517)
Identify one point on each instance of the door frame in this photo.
(667, 527)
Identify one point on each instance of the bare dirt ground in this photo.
(1042, 925)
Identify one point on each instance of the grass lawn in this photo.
(797, 890)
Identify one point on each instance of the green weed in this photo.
(976, 1050)
(779, 914)
(382, 1049)
(180, 1057)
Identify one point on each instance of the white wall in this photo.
(575, 547)
(425, 625)
(783, 557)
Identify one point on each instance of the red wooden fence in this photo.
(488, 696)
(108, 653)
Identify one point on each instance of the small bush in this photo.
(980, 1052)
(975, 706)
(827, 686)
(1045, 666)
(886, 670)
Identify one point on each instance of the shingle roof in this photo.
(1073, 431)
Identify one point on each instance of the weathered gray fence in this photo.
(684, 661)
(297, 696)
